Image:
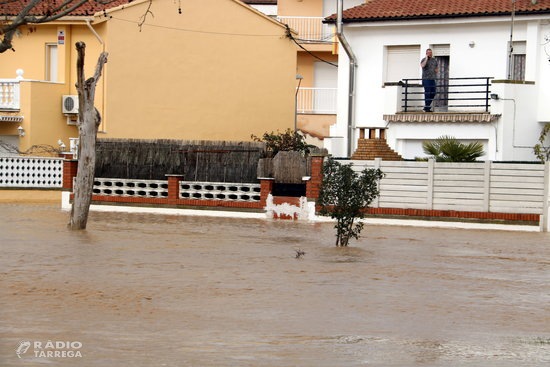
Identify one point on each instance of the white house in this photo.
(501, 48)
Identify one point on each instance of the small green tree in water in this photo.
(345, 195)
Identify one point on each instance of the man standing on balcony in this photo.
(429, 74)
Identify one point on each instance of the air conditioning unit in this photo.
(70, 104)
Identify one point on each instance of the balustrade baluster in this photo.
(2, 104)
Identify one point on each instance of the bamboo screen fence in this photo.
(208, 161)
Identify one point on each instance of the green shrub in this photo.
(345, 195)
(448, 149)
(542, 152)
(287, 141)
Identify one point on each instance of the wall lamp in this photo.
(495, 96)
(21, 131)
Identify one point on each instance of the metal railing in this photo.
(9, 94)
(470, 94)
(317, 100)
(310, 29)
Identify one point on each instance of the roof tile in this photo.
(373, 10)
(14, 7)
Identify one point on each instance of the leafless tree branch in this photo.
(143, 18)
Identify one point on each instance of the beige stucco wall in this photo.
(300, 8)
(30, 53)
(305, 66)
(42, 107)
(43, 122)
(176, 81)
(316, 124)
(219, 71)
(40, 102)
(29, 196)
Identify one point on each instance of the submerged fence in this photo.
(473, 187)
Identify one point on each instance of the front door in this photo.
(441, 102)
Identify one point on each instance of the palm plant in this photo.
(448, 149)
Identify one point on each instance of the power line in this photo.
(289, 35)
(197, 31)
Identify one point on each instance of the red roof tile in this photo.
(14, 7)
(375, 10)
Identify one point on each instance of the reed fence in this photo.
(195, 160)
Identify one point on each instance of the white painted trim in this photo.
(166, 211)
(436, 224)
(311, 217)
(476, 20)
(66, 200)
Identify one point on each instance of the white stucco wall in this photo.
(489, 57)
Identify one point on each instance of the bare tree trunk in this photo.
(89, 120)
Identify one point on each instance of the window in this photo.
(51, 62)
(517, 61)
(402, 62)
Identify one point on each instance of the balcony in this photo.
(316, 101)
(470, 94)
(310, 29)
(9, 95)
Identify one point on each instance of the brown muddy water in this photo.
(152, 290)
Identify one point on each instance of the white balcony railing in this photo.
(9, 94)
(316, 100)
(310, 29)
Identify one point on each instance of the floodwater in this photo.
(152, 290)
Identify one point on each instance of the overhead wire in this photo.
(289, 35)
(195, 30)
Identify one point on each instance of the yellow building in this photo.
(317, 58)
(217, 70)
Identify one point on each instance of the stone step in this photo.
(369, 149)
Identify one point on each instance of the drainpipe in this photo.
(352, 66)
(94, 32)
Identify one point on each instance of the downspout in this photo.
(352, 66)
(95, 33)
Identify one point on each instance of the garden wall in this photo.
(487, 190)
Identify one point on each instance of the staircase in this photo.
(372, 146)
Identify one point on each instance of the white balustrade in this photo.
(317, 100)
(130, 188)
(220, 191)
(31, 172)
(310, 29)
(9, 94)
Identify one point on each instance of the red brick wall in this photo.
(313, 185)
(70, 167)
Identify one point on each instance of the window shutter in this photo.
(402, 62)
(441, 50)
